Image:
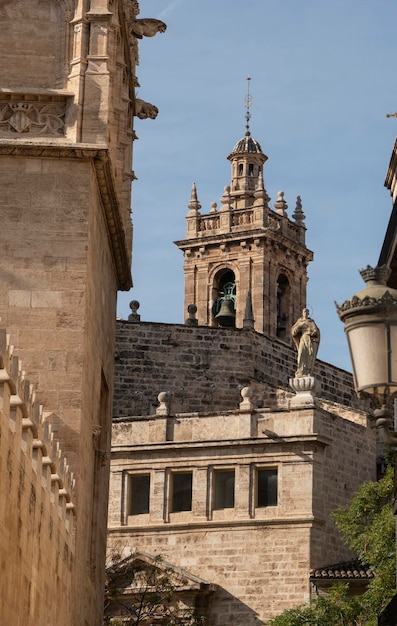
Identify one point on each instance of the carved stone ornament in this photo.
(35, 118)
(145, 110)
(305, 388)
(147, 27)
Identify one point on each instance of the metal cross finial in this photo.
(248, 104)
(391, 114)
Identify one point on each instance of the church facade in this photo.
(225, 460)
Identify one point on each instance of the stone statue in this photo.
(145, 110)
(147, 27)
(306, 336)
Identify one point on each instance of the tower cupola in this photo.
(247, 161)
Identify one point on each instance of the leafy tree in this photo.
(143, 593)
(368, 528)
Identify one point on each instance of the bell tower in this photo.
(245, 263)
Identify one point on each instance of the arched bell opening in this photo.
(224, 296)
(283, 306)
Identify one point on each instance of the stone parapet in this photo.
(38, 520)
(204, 368)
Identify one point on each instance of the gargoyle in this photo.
(145, 110)
(147, 27)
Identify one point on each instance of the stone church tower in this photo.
(216, 465)
(245, 263)
(66, 129)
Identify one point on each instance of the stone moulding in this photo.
(33, 114)
(100, 158)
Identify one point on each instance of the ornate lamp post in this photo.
(370, 318)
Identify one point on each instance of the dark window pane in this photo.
(267, 487)
(139, 494)
(224, 489)
(181, 492)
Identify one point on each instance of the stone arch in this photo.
(223, 285)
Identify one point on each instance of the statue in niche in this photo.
(147, 27)
(306, 336)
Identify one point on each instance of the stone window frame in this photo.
(213, 472)
(142, 496)
(172, 476)
(169, 514)
(127, 516)
(255, 468)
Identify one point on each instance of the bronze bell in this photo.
(226, 315)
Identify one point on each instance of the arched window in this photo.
(224, 296)
(283, 306)
(240, 169)
(250, 169)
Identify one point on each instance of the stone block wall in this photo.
(204, 368)
(252, 564)
(37, 545)
(260, 557)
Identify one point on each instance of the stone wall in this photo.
(204, 368)
(260, 556)
(65, 175)
(37, 549)
(58, 293)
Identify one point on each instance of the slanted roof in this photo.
(345, 571)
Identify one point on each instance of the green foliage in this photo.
(334, 608)
(368, 528)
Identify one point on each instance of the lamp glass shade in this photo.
(373, 350)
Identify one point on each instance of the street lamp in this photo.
(370, 318)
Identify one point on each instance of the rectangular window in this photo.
(181, 492)
(224, 489)
(139, 494)
(267, 487)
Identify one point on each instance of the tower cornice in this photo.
(251, 236)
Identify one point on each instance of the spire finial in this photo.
(248, 104)
(194, 204)
(248, 321)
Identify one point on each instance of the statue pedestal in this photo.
(305, 388)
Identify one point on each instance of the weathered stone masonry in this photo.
(204, 368)
(37, 545)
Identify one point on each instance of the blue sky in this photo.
(323, 79)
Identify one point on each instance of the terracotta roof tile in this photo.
(347, 570)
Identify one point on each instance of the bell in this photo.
(226, 315)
